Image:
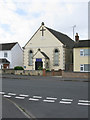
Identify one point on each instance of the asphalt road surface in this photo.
(44, 97)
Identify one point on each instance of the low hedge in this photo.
(18, 68)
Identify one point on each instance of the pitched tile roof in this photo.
(3, 60)
(62, 38)
(82, 43)
(7, 46)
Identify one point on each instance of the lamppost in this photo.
(73, 30)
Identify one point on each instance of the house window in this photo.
(81, 68)
(85, 68)
(85, 52)
(5, 54)
(30, 57)
(56, 57)
(81, 52)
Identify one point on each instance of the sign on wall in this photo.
(38, 60)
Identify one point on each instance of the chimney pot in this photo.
(76, 37)
(42, 23)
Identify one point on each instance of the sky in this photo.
(20, 19)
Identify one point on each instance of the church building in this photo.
(48, 49)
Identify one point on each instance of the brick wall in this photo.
(75, 74)
(52, 73)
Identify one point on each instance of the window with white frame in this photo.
(5, 54)
(81, 68)
(85, 52)
(85, 67)
(81, 52)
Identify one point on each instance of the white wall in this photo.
(16, 56)
(0, 65)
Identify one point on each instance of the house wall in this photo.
(0, 65)
(16, 56)
(9, 54)
(47, 44)
(68, 59)
(79, 59)
(8, 57)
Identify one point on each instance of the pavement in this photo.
(12, 76)
(10, 110)
(44, 97)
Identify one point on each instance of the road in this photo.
(45, 97)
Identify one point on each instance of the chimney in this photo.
(42, 23)
(76, 37)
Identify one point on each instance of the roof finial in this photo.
(42, 23)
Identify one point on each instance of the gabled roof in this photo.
(82, 43)
(67, 41)
(7, 46)
(3, 60)
(62, 38)
(41, 53)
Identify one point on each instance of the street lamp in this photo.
(73, 30)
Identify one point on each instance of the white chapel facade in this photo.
(48, 49)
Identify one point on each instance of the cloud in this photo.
(20, 19)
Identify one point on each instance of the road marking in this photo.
(37, 97)
(49, 101)
(51, 98)
(2, 93)
(84, 101)
(7, 96)
(11, 94)
(19, 97)
(32, 99)
(23, 95)
(83, 104)
(65, 102)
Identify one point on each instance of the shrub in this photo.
(47, 70)
(18, 68)
(40, 68)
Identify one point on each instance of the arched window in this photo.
(30, 57)
(56, 57)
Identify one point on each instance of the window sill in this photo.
(56, 65)
(30, 65)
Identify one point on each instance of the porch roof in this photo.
(44, 55)
(3, 60)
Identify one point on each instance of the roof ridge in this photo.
(84, 40)
(8, 43)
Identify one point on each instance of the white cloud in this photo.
(57, 14)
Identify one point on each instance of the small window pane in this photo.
(5, 54)
(56, 57)
(81, 52)
(81, 67)
(86, 52)
(30, 57)
(87, 67)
